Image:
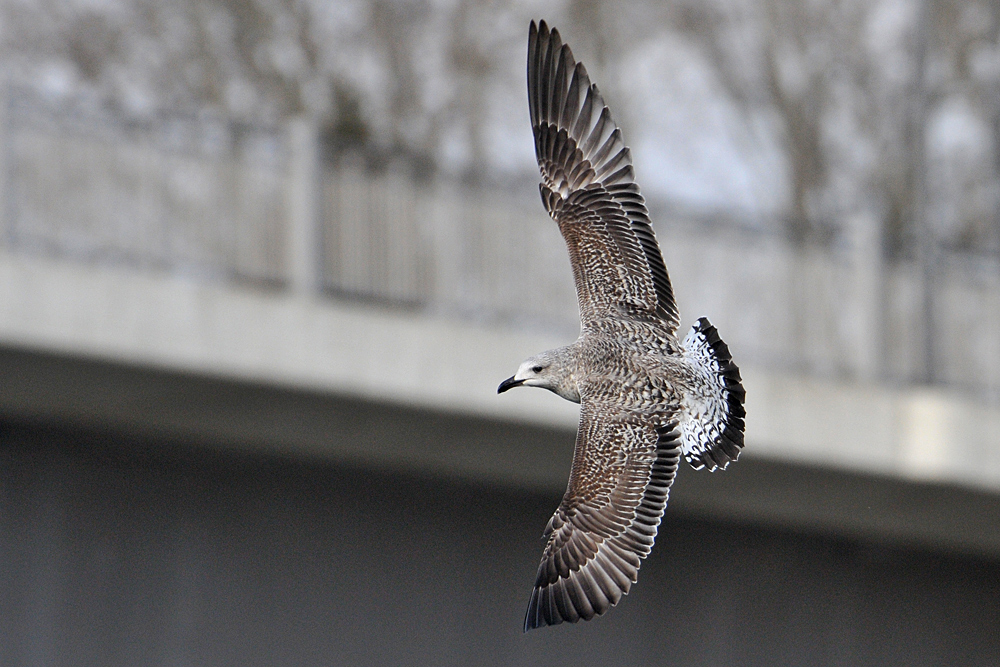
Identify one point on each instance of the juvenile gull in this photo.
(645, 397)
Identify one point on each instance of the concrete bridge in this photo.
(247, 401)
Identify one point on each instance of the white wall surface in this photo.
(311, 343)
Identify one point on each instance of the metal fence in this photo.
(474, 253)
(213, 199)
(203, 196)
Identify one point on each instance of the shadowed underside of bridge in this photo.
(152, 517)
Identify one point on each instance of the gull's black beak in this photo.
(509, 383)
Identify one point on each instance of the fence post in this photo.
(865, 304)
(6, 142)
(304, 240)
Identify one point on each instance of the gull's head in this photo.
(547, 370)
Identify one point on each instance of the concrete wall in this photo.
(385, 355)
(130, 551)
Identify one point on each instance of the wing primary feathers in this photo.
(559, 86)
(548, 92)
(582, 123)
(580, 148)
(571, 106)
(595, 545)
(597, 133)
(533, 68)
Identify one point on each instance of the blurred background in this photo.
(264, 262)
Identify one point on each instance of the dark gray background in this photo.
(118, 550)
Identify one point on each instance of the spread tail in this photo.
(713, 432)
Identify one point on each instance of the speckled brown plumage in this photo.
(645, 397)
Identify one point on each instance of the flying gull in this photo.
(645, 397)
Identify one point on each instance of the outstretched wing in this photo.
(607, 520)
(588, 188)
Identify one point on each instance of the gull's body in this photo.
(645, 396)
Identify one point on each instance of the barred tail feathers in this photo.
(713, 432)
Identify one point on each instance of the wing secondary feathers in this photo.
(588, 188)
(608, 518)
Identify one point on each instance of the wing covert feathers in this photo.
(588, 188)
(607, 520)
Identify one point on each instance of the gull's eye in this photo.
(537, 369)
